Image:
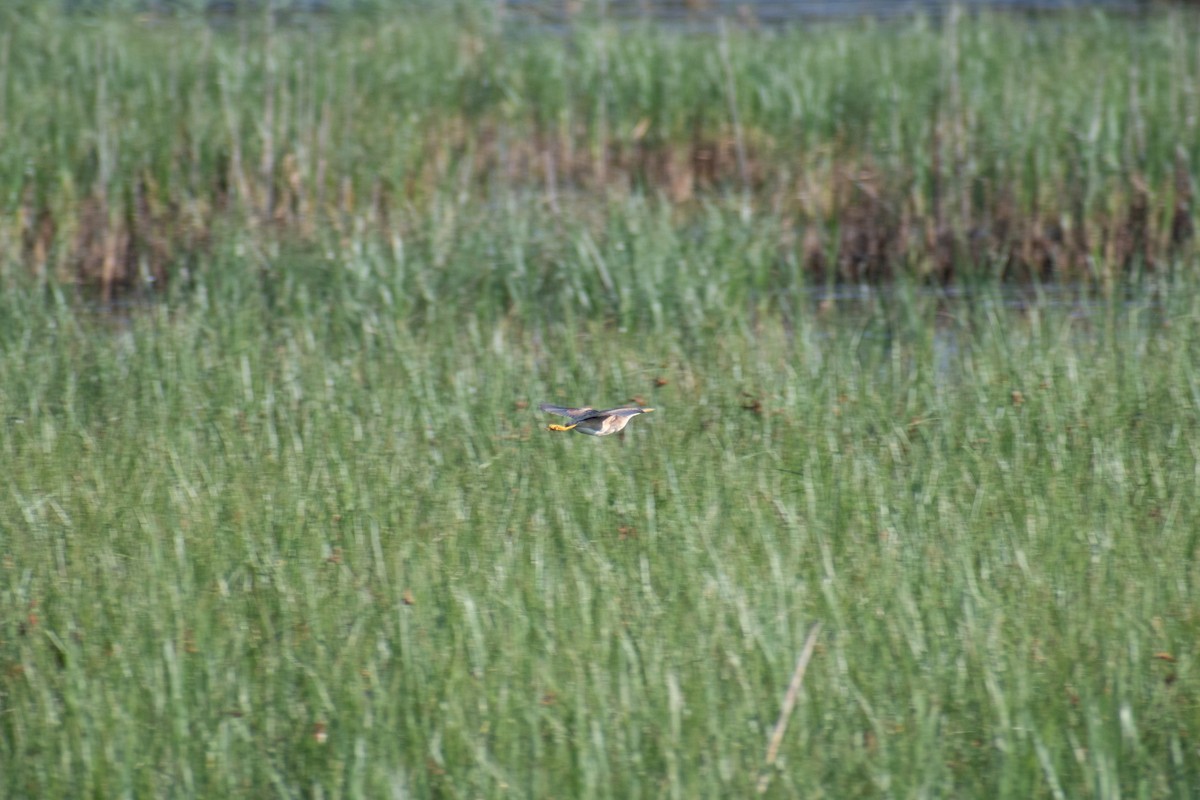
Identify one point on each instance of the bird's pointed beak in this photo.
(647, 410)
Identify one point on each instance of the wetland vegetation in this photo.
(280, 298)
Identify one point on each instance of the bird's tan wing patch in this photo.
(622, 411)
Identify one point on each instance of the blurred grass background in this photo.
(981, 147)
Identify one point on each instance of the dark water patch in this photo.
(940, 326)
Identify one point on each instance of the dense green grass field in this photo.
(280, 518)
(981, 147)
(313, 553)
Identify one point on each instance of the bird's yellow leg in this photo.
(553, 427)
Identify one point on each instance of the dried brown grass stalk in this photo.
(789, 703)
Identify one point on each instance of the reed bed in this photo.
(308, 551)
(979, 147)
(280, 518)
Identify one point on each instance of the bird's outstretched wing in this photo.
(569, 413)
(624, 411)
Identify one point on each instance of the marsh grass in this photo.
(280, 519)
(318, 552)
(975, 147)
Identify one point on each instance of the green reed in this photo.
(133, 142)
(317, 552)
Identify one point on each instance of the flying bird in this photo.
(593, 422)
